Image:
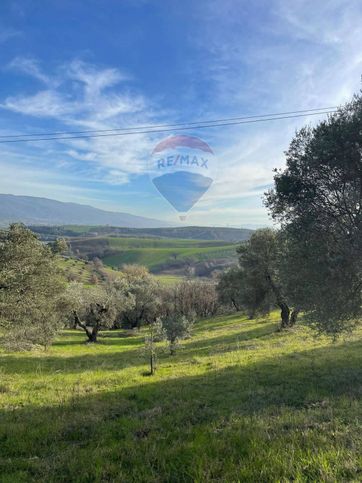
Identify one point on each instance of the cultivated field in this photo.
(240, 401)
(156, 254)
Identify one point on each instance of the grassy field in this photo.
(169, 280)
(239, 402)
(155, 253)
(159, 243)
(225, 234)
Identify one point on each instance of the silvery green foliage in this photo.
(146, 292)
(317, 199)
(97, 307)
(30, 290)
(155, 334)
(176, 328)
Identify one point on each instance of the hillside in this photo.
(239, 402)
(83, 272)
(231, 235)
(159, 255)
(87, 273)
(31, 210)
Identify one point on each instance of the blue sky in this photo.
(76, 65)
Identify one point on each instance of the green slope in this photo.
(80, 270)
(239, 402)
(156, 254)
(228, 235)
(158, 258)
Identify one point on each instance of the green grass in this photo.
(80, 228)
(239, 402)
(155, 253)
(169, 280)
(79, 270)
(140, 242)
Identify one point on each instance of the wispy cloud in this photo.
(29, 66)
(301, 55)
(43, 104)
(83, 96)
(295, 55)
(7, 34)
(94, 80)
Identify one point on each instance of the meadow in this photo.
(156, 254)
(240, 401)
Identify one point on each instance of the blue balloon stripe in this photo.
(182, 189)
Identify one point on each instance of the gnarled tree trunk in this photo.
(293, 317)
(284, 315)
(287, 317)
(91, 332)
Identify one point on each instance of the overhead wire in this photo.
(163, 128)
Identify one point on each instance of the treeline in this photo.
(36, 300)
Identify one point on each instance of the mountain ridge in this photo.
(32, 210)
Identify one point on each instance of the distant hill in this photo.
(31, 210)
(160, 255)
(229, 235)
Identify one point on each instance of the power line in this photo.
(152, 126)
(211, 124)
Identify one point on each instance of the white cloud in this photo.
(29, 66)
(303, 54)
(237, 216)
(84, 97)
(334, 23)
(44, 104)
(95, 80)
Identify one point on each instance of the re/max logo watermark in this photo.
(182, 160)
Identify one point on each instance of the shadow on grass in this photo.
(114, 338)
(91, 361)
(196, 428)
(131, 353)
(214, 345)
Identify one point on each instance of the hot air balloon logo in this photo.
(182, 169)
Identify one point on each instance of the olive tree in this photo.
(59, 246)
(96, 307)
(176, 328)
(317, 199)
(146, 292)
(30, 290)
(260, 261)
(230, 288)
(243, 290)
(154, 334)
(192, 298)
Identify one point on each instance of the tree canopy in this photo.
(317, 199)
(30, 289)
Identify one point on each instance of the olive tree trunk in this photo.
(92, 332)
